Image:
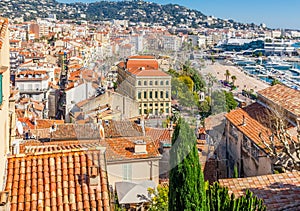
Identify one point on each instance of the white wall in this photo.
(140, 171)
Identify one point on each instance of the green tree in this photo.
(235, 172)
(187, 81)
(231, 103)
(227, 75)
(275, 81)
(218, 102)
(199, 82)
(187, 188)
(160, 198)
(233, 79)
(218, 199)
(204, 107)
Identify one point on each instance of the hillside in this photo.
(134, 11)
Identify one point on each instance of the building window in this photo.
(156, 83)
(1, 92)
(156, 104)
(127, 171)
(167, 94)
(150, 105)
(139, 95)
(145, 95)
(140, 111)
(150, 94)
(161, 94)
(150, 83)
(156, 94)
(161, 83)
(167, 110)
(167, 83)
(161, 104)
(145, 104)
(145, 83)
(139, 83)
(167, 104)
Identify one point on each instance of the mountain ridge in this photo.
(134, 11)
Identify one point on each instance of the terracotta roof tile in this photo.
(50, 181)
(257, 120)
(47, 123)
(251, 129)
(117, 149)
(113, 129)
(159, 135)
(283, 96)
(278, 191)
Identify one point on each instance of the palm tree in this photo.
(227, 74)
(233, 78)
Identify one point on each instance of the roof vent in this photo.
(140, 147)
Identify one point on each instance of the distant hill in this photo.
(134, 11)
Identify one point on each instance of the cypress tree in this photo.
(187, 188)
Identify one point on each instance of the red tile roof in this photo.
(117, 149)
(160, 135)
(142, 66)
(147, 63)
(47, 123)
(257, 120)
(58, 181)
(70, 132)
(283, 96)
(278, 191)
(114, 129)
(251, 129)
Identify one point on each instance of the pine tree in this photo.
(187, 188)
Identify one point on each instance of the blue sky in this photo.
(274, 13)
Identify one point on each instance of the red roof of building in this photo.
(160, 135)
(278, 191)
(57, 181)
(283, 96)
(253, 120)
(146, 63)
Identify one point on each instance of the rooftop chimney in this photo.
(94, 176)
(140, 147)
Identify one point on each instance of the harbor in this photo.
(273, 68)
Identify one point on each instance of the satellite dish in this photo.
(19, 127)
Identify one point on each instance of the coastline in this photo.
(243, 80)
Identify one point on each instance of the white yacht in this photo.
(277, 63)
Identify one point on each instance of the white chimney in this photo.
(140, 147)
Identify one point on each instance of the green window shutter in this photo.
(1, 92)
